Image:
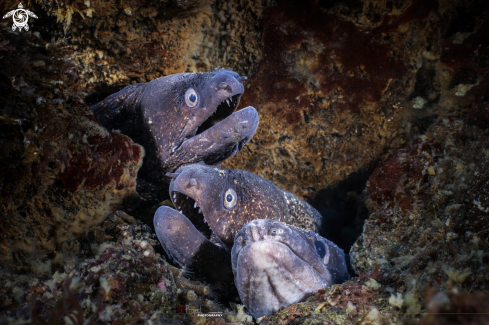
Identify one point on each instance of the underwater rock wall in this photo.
(61, 172)
(121, 280)
(332, 92)
(117, 43)
(429, 201)
(337, 84)
(341, 87)
(430, 215)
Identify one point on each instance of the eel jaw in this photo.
(225, 108)
(217, 143)
(189, 207)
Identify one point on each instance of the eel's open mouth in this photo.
(218, 142)
(223, 110)
(190, 208)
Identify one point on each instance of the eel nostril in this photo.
(242, 78)
(193, 182)
(172, 175)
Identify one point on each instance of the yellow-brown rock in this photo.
(61, 172)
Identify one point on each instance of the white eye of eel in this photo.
(191, 97)
(230, 199)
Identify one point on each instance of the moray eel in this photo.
(181, 119)
(276, 265)
(213, 205)
(219, 202)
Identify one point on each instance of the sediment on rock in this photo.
(61, 172)
(118, 276)
(398, 87)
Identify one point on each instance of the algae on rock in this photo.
(61, 172)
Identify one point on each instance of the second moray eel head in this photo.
(221, 201)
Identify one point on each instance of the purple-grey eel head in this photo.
(182, 119)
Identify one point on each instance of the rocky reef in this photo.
(121, 279)
(393, 91)
(61, 172)
(119, 43)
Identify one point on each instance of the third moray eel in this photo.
(276, 260)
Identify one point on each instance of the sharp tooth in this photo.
(205, 220)
(195, 205)
(174, 196)
(200, 211)
(228, 101)
(180, 208)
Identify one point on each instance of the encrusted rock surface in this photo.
(429, 220)
(61, 173)
(338, 84)
(429, 201)
(456, 308)
(341, 86)
(331, 82)
(121, 42)
(117, 277)
(333, 88)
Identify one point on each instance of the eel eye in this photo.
(240, 239)
(320, 248)
(191, 97)
(230, 198)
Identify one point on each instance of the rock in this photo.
(325, 112)
(428, 202)
(334, 89)
(61, 172)
(114, 281)
(338, 84)
(429, 218)
(442, 306)
(138, 41)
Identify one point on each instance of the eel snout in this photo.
(269, 276)
(189, 248)
(173, 230)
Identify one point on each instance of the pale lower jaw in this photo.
(217, 143)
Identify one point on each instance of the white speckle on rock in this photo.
(396, 300)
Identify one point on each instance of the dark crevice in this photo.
(102, 91)
(343, 209)
(465, 19)
(464, 77)
(425, 85)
